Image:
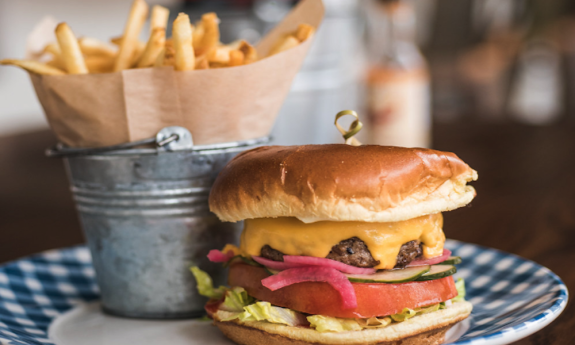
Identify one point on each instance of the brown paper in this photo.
(215, 105)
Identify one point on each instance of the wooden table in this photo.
(525, 203)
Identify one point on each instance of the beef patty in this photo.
(353, 251)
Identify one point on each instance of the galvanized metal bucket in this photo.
(146, 219)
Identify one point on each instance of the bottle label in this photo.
(399, 109)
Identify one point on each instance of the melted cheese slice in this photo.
(294, 237)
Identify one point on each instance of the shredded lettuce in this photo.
(264, 311)
(333, 324)
(460, 286)
(442, 305)
(425, 310)
(405, 314)
(374, 322)
(236, 299)
(205, 285)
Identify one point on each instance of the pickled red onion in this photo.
(324, 262)
(333, 277)
(446, 254)
(217, 256)
(274, 265)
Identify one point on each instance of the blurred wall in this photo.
(103, 19)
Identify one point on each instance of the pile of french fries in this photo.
(191, 46)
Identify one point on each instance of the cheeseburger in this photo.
(341, 245)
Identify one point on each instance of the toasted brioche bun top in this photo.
(341, 183)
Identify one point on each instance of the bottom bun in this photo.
(425, 329)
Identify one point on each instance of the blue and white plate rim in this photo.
(504, 336)
(531, 326)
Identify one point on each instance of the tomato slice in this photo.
(373, 299)
(212, 307)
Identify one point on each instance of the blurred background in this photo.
(485, 60)
(492, 80)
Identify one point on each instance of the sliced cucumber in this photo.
(452, 260)
(391, 276)
(437, 272)
(387, 276)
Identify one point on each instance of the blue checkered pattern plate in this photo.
(512, 297)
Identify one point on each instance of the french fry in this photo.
(182, 37)
(220, 54)
(160, 59)
(54, 50)
(140, 47)
(99, 64)
(250, 53)
(33, 66)
(154, 47)
(136, 19)
(202, 62)
(283, 44)
(71, 53)
(167, 56)
(236, 58)
(304, 31)
(94, 47)
(138, 51)
(211, 34)
(117, 41)
(56, 64)
(159, 18)
(197, 36)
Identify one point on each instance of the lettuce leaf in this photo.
(333, 324)
(236, 299)
(460, 286)
(205, 284)
(424, 310)
(405, 314)
(264, 311)
(374, 322)
(442, 305)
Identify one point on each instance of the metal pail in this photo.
(146, 219)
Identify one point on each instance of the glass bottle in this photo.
(398, 85)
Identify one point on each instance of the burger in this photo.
(340, 245)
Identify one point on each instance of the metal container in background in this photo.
(146, 218)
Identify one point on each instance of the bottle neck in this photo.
(399, 49)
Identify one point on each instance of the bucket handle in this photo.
(172, 138)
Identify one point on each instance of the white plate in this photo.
(87, 325)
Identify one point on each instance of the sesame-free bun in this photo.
(425, 329)
(341, 183)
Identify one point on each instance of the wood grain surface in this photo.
(525, 203)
